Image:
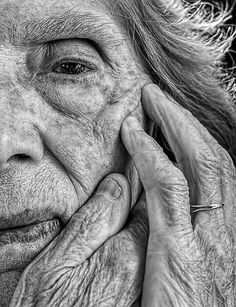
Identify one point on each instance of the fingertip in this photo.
(153, 95)
(153, 98)
(149, 89)
(120, 179)
(129, 134)
(115, 186)
(148, 86)
(132, 123)
(122, 205)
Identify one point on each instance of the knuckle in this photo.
(226, 161)
(207, 162)
(88, 222)
(172, 179)
(205, 155)
(217, 161)
(123, 255)
(158, 170)
(140, 139)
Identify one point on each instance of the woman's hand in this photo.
(190, 259)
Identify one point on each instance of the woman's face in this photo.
(68, 79)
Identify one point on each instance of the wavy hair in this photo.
(184, 47)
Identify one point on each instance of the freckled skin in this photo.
(68, 129)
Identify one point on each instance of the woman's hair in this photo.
(184, 47)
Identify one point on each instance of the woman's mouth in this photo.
(19, 245)
(30, 233)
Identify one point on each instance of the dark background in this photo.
(230, 59)
(231, 56)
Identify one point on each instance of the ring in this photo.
(198, 207)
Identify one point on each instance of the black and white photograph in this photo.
(117, 153)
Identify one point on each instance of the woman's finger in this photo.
(194, 149)
(167, 200)
(165, 186)
(208, 170)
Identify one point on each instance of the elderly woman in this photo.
(76, 78)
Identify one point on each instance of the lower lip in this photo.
(30, 233)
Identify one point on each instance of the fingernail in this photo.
(110, 188)
(133, 123)
(150, 85)
(152, 91)
(154, 87)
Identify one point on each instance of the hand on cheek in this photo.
(179, 262)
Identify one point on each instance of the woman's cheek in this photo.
(82, 131)
(86, 150)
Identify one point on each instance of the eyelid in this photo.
(83, 48)
(55, 55)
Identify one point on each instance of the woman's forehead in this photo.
(46, 20)
(29, 7)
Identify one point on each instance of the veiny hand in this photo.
(189, 262)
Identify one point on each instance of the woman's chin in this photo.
(8, 284)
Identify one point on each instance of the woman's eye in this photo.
(70, 68)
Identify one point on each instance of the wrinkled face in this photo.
(68, 78)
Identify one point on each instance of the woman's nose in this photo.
(20, 143)
(19, 139)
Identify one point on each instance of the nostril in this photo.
(19, 148)
(21, 157)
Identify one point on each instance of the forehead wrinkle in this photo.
(68, 25)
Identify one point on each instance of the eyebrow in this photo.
(68, 25)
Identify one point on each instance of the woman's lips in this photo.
(30, 233)
(20, 245)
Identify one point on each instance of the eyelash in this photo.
(72, 60)
(92, 68)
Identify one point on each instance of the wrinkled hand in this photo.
(188, 263)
